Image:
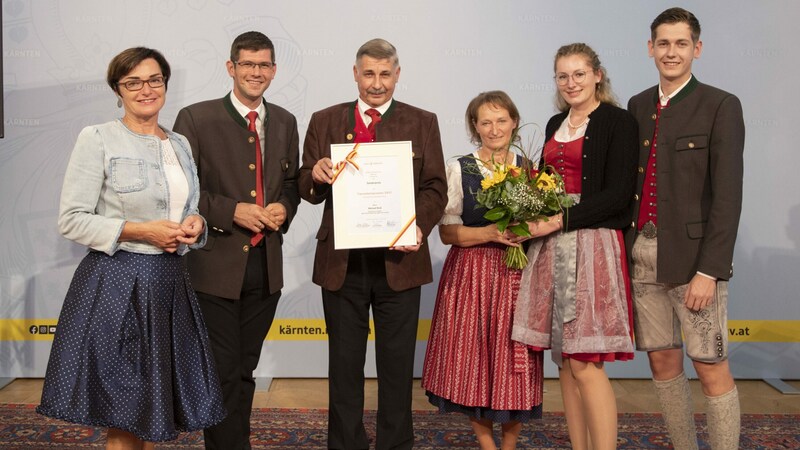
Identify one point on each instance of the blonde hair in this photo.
(603, 90)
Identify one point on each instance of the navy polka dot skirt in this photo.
(131, 350)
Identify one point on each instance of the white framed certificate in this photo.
(373, 195)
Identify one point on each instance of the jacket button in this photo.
(253, 194)
(251, 139)
(252, 166)
(641, 169)
(311, 191)
(246, 248)
(646, 143)
(691, 144)
(633, 224)
(636, 196)
(654, 116)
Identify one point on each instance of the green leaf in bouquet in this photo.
(520, 229)
(502, 224)
(495, 214)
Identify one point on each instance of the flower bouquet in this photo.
(515, 195)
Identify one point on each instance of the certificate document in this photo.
(373, 195)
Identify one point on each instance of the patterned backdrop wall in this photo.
(56, 52)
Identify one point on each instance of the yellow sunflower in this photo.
(497, 177)
(546, 182)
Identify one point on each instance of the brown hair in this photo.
(603, 90)
(253, 41)
(496, 98)
(676, 15)
(126, 61)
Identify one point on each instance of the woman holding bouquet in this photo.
(574, 296)
(472, 366)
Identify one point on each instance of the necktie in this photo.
(376, 119)
(251, 117)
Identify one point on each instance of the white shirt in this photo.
(665, 98)
(363, 107)
(562, 134)
(261, 110)
(176, 180)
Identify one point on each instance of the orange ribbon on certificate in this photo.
(339, 168)
(403, 231)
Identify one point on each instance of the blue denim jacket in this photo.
(115, 175)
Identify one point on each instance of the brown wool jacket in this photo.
(224, 151)
(401, 122)
(699, 179)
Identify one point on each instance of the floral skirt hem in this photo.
(480, 412)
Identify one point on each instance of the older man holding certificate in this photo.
(373, 195)
(386, 275)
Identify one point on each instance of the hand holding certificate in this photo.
(373, 195)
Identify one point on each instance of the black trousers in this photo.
(236, 329)
(396, 315)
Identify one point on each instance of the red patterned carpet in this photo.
(284, 429)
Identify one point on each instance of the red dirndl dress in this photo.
(471, 364)
(574, 294)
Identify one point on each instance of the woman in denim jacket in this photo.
(131, 352)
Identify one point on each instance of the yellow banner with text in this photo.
(315, 330)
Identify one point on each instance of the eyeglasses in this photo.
(247, 65)
(137, 85)
(563, 78)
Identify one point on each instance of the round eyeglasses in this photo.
(577, 77)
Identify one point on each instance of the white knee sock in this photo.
(675, 398)
(724, 420)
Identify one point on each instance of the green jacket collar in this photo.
(226, 101)
(688, 89)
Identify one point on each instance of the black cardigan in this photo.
(610, 156)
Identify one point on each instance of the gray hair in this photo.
(379, 49)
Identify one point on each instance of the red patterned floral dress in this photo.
(471, 365)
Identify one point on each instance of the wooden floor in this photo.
(756, 397)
